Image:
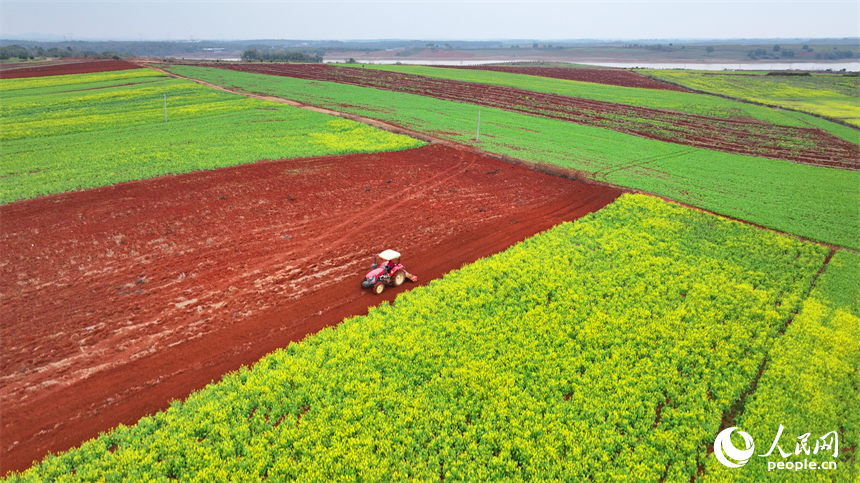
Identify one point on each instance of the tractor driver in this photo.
(388, 266)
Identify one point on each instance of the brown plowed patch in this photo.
(119, 299)
(740, 136)
(612, 77)
(6, 66)
(13, 71)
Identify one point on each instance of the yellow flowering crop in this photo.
(609, 349)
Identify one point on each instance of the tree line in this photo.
(254, 55)
(16, 51)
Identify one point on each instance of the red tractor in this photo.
(391, 272)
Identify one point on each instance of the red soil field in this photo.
(740, 136)
(117, 300)
(12, 71)
(613, 77)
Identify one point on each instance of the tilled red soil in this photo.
(612, 77)
(741, 136)
(119, 299)
(61, 67)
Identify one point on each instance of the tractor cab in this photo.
(391, 272)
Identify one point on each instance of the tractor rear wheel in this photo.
(378, 288)
(399, 278)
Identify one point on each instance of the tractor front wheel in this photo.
(399, 278)
(378, 288)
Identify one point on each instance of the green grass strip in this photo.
(810, 385)
(601, 350)
(818, 203)
(809, 100)
(64, 133)
(830, 95)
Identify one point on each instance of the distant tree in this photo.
(758, 53)
(251, 55)
(776, 48)
(254, 55)
(806, 47)
(13, 51)
(839, 54)
(110, 54)
(710, 50)
(787, 53)
(6, 52)
(535, 46)
(351, 61)
(683, 47)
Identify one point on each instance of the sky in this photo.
(431, 20)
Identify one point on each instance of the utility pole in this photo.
(478, 132)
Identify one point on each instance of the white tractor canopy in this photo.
(389, 255)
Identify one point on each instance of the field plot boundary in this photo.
(618, 77)
(630, 96)
(802, 385)
(772, 106)
(812, 146)
(65, 67)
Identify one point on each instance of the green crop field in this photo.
(809, 386)
(63, 133)
(818, 203)
(603, 350)
(831, 95)
(663, 99)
